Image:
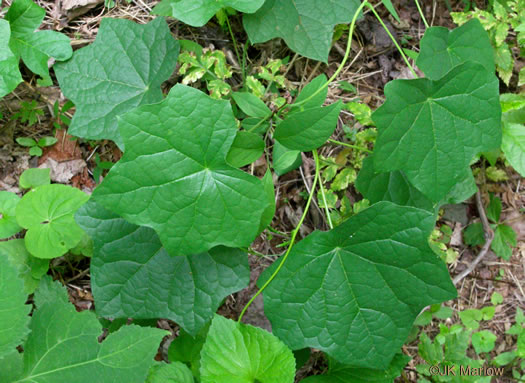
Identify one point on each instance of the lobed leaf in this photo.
(121, 70)
(198, 12)
(307, 26)
(354, 292)
(8, 224)
(194, 199)
(235, 352)
(431, 130)
(133, 276)
(442, 50)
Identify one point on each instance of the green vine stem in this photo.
(235, 46)
(292, 239)
(349, 145)
(421, 14)
(328, 218)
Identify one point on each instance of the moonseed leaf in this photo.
(35, 48)
(14, 315)
(235, 352)
(194, 199)
(198, 12)
(442, 50)
(431, 130)
(47, 214)
(355, 291)
(307, 26)
(185, 289)
(121, 70)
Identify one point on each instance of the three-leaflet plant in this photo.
(171, 222)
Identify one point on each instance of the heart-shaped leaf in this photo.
(10, 75)
(354, 292)
(175, 372)
(307, 26)
(198, 12)
(8, 224)
(121, 70)
(35, 48)
(258, 355)
(186, 289)
(431, 130)
(194, 199)
(246, 148)
(47, 214)
(442, 50)
(14, 315)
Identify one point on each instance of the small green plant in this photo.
(504, 17)
(504, 236)
(29, 112)
(439, 239)
(35, 147)
(59, 113)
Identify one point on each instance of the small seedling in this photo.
(35, 147)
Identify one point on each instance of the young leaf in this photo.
(269, 189)
(284, 159)
(14, 313)
(504, 240)
(432, 129)
(47, 214)
(315, 102)
(47, 141)
(442, 50)
(198, 12)
(258, 356)
(358, 287)
(309, 129)
(50, 292)
(35, 151)
(186, 289)
(34, 177)
(8, 224)
(483, 341)
(121, 70)
(30, 269)
(307, 26)
(63, 347)
(187, 349)
(494, 209)
(10, 75)
(251, 105)
(35, 48)
(340, 373)
(170, 373)
(194, 199)
(26, 141)
(246, 148)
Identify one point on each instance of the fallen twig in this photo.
(489, 236)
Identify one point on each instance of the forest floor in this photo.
(373, 62)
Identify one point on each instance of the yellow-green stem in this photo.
(290, 246)
(421, 14)
(350, 145)
(328, 218)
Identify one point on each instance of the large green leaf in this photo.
(63, 347)
(30, 269)
(133, 276)
(355, 291)
(8, 224)
(198, 12)
(306, 26)
(121, 70)
(14, 312)
(431, 130)
(239, 353)
(174, 178)
(442, 50)
(513, 142)
(284, 159)
(47, 214)
(246, 148)
(10, 76)
(35, 48)
(309, 129)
